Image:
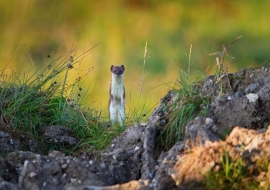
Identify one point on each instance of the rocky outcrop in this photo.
(132, 160)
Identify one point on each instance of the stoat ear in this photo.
(112, 67)
(123, 67)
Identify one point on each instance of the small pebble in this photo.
(32, 174)
(252, 97)
(64, 166)
(72, 180)
(137, 148)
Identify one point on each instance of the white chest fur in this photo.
(117, 87)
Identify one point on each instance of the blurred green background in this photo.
(123, 27)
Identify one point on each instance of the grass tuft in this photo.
(188, 104)
(45, 98)
(237, 174)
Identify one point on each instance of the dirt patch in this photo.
(249, 145)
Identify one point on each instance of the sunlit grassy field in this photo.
(33, 33)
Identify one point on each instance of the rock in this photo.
(237, 111)
(157, 122)
(164, 168)
(252, 97)
(264, 93)
(208, 86)
(53, 172)
(197, 132)
(253, 87)
(8, 172)
(165, 182)
(159, 116)
(121, 162)
(200, 130)
(59, 134)
(8, 143)
(148, 161)
(4, 185)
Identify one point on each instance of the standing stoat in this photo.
(117, 95)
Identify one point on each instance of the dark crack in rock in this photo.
(8, 172)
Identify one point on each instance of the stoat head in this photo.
(117, 70)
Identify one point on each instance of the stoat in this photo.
(117, 95)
